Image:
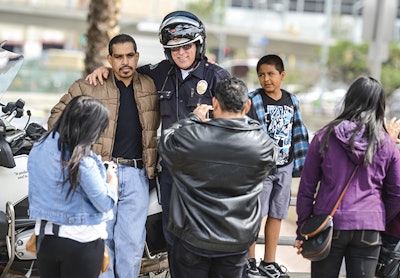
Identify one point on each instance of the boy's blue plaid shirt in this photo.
(300, 133)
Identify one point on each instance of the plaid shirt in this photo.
(300, 134)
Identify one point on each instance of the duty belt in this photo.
(137, 163)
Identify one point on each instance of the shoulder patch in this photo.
(153, 66)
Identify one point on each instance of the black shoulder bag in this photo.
(317, 231)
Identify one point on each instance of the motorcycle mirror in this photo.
(10, 64)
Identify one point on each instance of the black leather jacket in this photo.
(218, 168)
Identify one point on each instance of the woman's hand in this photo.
(298, 244)
(112, 178)
(97, 74)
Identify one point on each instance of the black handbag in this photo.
(389, 262)
(317, 236)
(317, 231)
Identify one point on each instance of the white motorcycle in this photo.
(15, 225)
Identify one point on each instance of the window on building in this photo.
(314, 6)
(344, 7)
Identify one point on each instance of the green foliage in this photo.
(347, 61)
(390, 75)
(202, 9)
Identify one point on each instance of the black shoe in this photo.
(251, 268)
(272, 270)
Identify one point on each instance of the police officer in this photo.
(184, 81)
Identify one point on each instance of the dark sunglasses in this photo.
(185, 47)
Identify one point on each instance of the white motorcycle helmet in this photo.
(179, 28)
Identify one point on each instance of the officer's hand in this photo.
(112, 177)
(97, 74)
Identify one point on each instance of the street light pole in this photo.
(325, 43)
(378, 28)
(218, 11)
(357, 6)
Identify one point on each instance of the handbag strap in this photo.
(343, 192)
(56, 229)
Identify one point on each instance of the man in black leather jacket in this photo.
(217, 166)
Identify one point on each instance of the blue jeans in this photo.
(126, 231)
(360, 248)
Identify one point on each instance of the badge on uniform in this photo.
(201, 87)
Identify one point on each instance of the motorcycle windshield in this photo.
(10, 63)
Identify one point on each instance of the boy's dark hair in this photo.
(121, 38)
(273, 60)
(231, 94)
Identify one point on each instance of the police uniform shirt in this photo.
(178, 96)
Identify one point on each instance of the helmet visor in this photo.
(176, 32)
(175, 42)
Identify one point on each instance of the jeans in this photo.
(189, 264)
(360, 248)
(127, 231)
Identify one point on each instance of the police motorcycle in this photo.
(15, 225)
(15, 144)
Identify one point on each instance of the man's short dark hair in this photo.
(121, 38)
(231, 94)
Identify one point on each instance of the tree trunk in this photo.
(103, 24)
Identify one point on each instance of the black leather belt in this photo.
(137, 163)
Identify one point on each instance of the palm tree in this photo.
(103, 24)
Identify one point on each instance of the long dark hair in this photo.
(364, 102)
(80, 125)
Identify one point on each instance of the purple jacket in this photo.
(362, 207)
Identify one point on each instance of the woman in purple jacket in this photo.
(356, 137)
